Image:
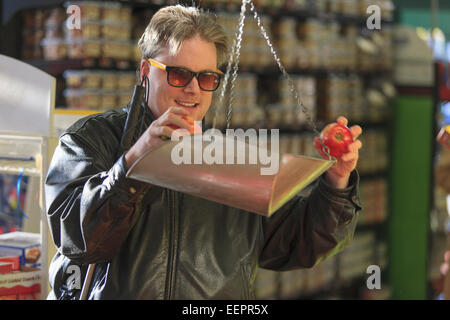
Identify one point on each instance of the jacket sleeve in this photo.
(307, 230)
(91, 205)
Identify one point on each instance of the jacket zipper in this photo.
(173, 237)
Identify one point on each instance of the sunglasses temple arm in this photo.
(156, 64)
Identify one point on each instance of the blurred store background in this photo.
(393, 81)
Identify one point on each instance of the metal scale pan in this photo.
(237, 185)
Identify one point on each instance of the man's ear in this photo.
(144, 69)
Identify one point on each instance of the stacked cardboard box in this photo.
(20, 274)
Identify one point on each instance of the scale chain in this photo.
(234, 56)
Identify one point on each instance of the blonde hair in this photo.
(174, 24)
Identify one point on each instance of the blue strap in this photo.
(18, 194)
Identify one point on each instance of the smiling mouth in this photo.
(187, 104)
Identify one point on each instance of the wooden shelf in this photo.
(14, 167)
(57, 67)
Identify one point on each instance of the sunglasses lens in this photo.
(179, 77)
(209, 81)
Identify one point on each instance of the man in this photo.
(149, 242)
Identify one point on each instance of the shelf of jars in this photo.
(341, 276)
(110, 31)
(345, 11)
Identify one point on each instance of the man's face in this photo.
(195, 54)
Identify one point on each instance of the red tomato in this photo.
(337, 137)
(194, 127)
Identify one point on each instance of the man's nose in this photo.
(193, 86)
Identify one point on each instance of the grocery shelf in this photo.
(320, 124)
(57, 67)
(273, 70)
(11, 7)
(278, 12)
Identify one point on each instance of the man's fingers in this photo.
(352, 153)
(176, 116)
(159, 131)
(177, 110)
(356, 131)
(342, 120)
(176, 120)
(349, 156)
(355, 146)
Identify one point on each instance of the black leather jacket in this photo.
(154, 243)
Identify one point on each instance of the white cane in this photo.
(87, 282)
(134, 114)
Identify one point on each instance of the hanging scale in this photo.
(233, 65)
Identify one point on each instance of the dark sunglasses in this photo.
(180, 77)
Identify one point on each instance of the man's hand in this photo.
(174, 117)
(339, 174)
